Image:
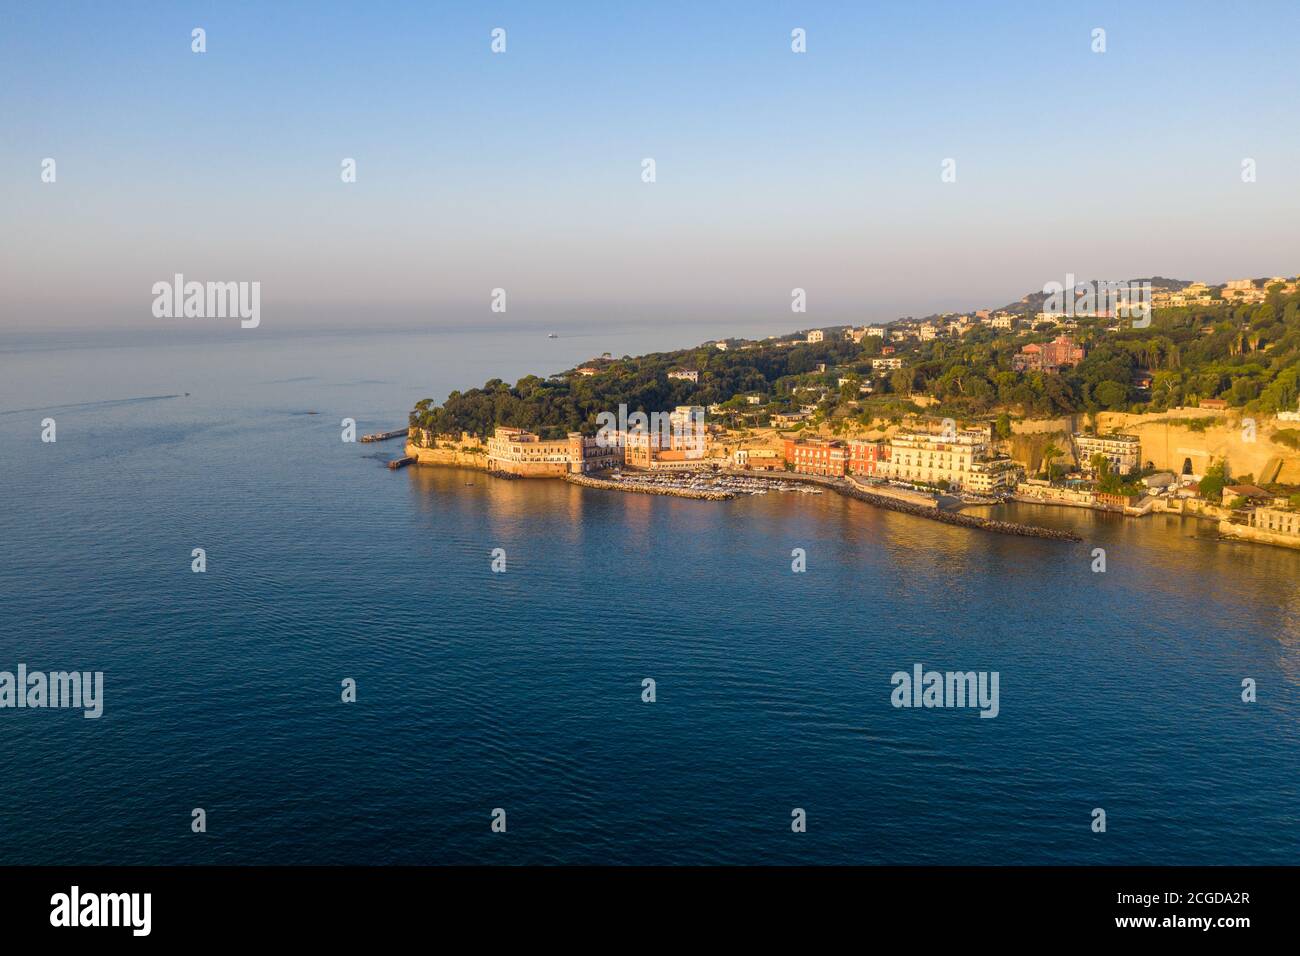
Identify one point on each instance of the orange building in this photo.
(817, 456)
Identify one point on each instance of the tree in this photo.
(1002, 427)
(1050, 452)
(1216, 476)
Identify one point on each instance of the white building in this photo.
(685, 374)
(1124, 452)
(961, 459)
(893, 362)
(816, 335)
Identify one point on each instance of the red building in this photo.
(817, 456)
(865, 456)
(1048, 357)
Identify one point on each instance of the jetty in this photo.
(397, 463)
(385, 436)
(853, 489)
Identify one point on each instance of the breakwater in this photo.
(957, 518)
(851, 489)
(589, 482)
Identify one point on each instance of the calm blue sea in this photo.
(522, 690)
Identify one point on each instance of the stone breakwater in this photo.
(852, 490)
(588, 482)
(956, 518)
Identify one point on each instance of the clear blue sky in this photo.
(522, 170)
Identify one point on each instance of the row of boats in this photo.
(707, 481)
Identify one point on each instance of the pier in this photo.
(397, 463)
(385, 436)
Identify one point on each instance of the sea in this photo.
(520, 695)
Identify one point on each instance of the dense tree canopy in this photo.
(1248, 355)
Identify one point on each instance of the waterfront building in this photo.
(1124, 452)
(962, 459)
(759, 459)
(867, 457)
(1275, 520)
(817, 456)
(1040, 489)
(514, 451)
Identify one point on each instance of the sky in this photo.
(522, 170)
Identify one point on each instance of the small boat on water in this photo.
(552, 335)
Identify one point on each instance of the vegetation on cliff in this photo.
(1247, 355)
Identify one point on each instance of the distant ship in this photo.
(552, 335)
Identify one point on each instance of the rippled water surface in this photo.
(523, 690)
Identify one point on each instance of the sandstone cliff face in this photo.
(1169, 441)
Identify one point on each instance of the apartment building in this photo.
(962, 459)
(867, 457)
(817, 456)
(1124, 452)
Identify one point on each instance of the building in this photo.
(927, 332)
(993, 475)
(759, 459)
(1002, 321)
(1253, 495)
(867, 457)
(886, 363)
(854, 335)
(720, 346)
(588, 370)
(514, 451)
(816, 335)
(1049, 356)
(1276, 520)
(685, 375)
(817, 456)
(788, 419)
(1124, 452)
(961, 459)
(878, 332)
(1217, 404)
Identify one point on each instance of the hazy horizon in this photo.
(522, 170)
